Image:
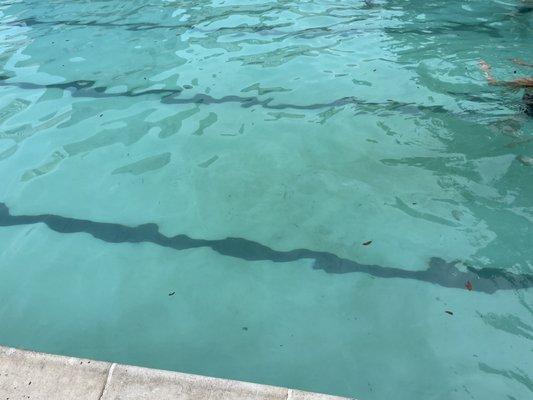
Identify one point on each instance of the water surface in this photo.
(297, 193)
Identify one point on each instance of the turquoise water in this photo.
(193, 186)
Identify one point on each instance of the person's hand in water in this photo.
(485, 67)
(520, 83)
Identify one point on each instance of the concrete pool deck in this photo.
(30, 375)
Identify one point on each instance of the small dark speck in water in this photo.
(29, 383)
(145, 78)
(468, 285)
(101, 115)
(187, 86)
(414, 204)
(367, 243)
(374, 70)
(514, 72)
(449, 312)
(244, 328)
(172, 293)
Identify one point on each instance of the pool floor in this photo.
(322, 195)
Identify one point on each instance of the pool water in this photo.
(324, 195)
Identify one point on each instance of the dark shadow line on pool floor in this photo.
(440, 272)
(139, 26)
(84, 88)
(445, 28)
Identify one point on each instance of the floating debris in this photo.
(367, 243)
(449, 312)
(172, 293)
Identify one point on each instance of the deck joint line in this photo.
(107, 380)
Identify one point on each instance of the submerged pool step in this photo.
(31, 375)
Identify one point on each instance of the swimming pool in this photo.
(324, 195)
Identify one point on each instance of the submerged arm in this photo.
(514, 84)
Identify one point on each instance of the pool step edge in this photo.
(32, 375)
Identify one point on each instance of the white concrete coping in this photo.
(30, 375)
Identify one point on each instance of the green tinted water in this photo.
(193, 186)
